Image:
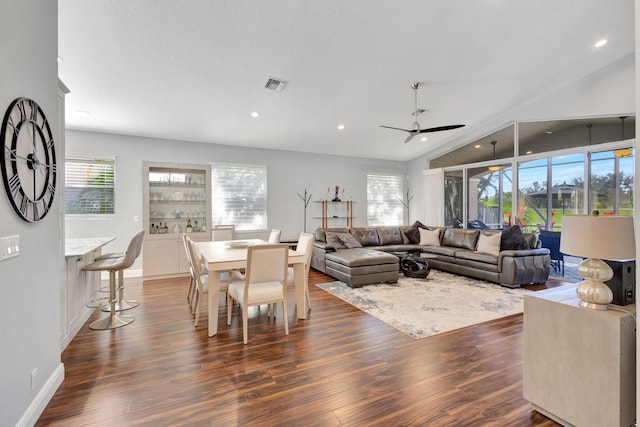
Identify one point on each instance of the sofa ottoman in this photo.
(360, 266)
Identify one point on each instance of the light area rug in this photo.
(440, 303)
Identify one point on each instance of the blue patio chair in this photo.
(551, 241)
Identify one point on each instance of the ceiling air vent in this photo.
(275, 84)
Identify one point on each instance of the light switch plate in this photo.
(10, 246)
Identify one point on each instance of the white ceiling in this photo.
(194, 70)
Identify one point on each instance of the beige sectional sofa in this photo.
(516, 260)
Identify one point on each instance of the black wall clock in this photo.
(28, 159)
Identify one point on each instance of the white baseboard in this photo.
(37, 406)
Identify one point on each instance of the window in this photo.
(89, 186)
(611, 183)
(543, 206)
(385, 199)
(239, 196)
(490, 195)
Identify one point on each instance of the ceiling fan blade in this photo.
(410, 137)
(439, 128)
(416, 126)
(389, 127)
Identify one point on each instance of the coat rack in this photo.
(406, 204)
(306, 198)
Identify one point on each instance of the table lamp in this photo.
(596, 238)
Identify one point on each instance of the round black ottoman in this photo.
(414, 266)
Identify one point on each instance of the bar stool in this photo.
(122, 304)
(113, 265)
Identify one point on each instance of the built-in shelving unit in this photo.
(177, 200)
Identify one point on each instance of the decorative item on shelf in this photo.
(165, 229)
(337, 197)
(203, 227)
(189, 226)
(406, 203)
(306, 198)
(595, 238)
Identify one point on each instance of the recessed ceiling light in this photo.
(255, 114)
(83, 113)
(424, 138)
(548, 132)
(340, 126)
(529, 152)
(601, 43)
(476, 146)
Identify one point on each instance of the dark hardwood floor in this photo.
(339, 367)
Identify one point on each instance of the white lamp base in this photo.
(593, 292)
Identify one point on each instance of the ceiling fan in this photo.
(416, 126)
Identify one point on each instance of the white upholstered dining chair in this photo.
(274, 236)
(305, 246)
(264, 283)
(223, 232)
(191, 293)
(201, 280)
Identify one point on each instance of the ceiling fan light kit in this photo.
(416, 126)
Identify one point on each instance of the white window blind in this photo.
(239, 196)
(89, 186)
(384, 195)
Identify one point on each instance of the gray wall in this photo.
(30, 283)
(289, 173)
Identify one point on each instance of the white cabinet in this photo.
(579, 364)
(80, 287)
(177, 200)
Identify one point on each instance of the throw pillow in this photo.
(413, 234)
(348, 241)
(333, 240)
(429, 237)
(489, 243)
(513, 239)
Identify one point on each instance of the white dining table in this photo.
(231, 255)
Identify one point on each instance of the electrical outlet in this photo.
(34, 379)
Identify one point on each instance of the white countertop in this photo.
(82, 246)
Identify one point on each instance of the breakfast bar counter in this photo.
(80, 287)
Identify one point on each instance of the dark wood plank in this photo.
(338, 367)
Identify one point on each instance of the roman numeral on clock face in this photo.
(24, 206)
(14, 184)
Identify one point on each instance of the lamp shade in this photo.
(600, 237)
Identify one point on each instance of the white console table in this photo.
(579, 364)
